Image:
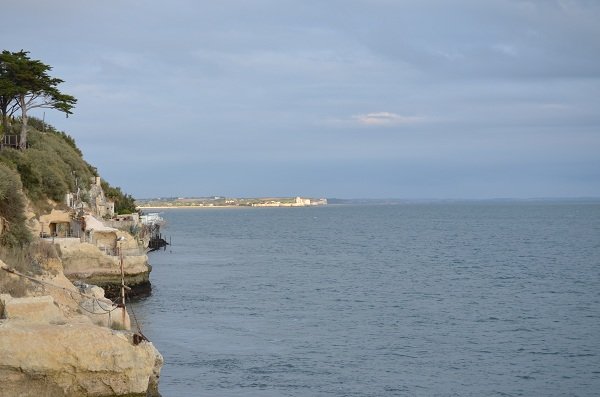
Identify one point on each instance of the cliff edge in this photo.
(62, 229)
(61, 340)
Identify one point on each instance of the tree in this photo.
(8, 89)
(34, 87)
(124, 203)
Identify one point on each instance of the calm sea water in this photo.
(462, 299)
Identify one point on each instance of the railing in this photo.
(126, 251)
(108, 251)
(10, 141)
(63, 240)
(70, 237)
(134, 252)
(60, 234)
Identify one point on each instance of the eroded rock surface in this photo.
(58, 341)
(86, 262)
(74, 360)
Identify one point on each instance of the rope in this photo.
(104, 310)
(68, 291)
(137, 324)
(137, 337)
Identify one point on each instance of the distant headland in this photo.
(220, 202)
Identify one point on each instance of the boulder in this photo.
(34, 309)
(74, 360)
(87, 263)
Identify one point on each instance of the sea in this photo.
(473, 298)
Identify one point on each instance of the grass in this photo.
(27, 260)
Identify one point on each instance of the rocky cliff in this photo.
(87, 263)
(61, 340)
(74, 358)
(57, 338)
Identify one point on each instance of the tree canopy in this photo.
(8, 88)
(25, 84)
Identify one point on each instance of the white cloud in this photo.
(505, 49)
(385, 119)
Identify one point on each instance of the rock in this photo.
(102, 312)
(48, 347)
(85, 258)
(52, 266)
(88, 263)
(92, 290)
(34, 309)
(74, 360)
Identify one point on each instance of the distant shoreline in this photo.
(207, 207)
(191, 207)
(338, 202)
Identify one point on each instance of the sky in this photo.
(329, 98)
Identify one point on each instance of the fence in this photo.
(126, 251)
(10, 141)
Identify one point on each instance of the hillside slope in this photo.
(51, 167)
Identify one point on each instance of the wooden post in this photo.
(122, 284)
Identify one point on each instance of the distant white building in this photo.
(302, 201)
(152, 218)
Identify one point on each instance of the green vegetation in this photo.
(28, 259)
(44, 164)
(124, 203)
(26, 85)
(50, 168)
(53, 166)
(12, 209)
(39, 167)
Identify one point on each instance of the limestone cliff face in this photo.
(87, 258)
(86, 262)
(70, 359)
(57, 341)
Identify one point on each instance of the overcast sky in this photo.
(327, 98)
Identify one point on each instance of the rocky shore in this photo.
(63, 340)
(69, 244)
(86, 263)
(61, 332)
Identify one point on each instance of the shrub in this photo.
(124, 203)
(50, 167)
(12, 209)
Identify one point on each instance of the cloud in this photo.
(505, 49)
(385, 119)
(291, 83)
